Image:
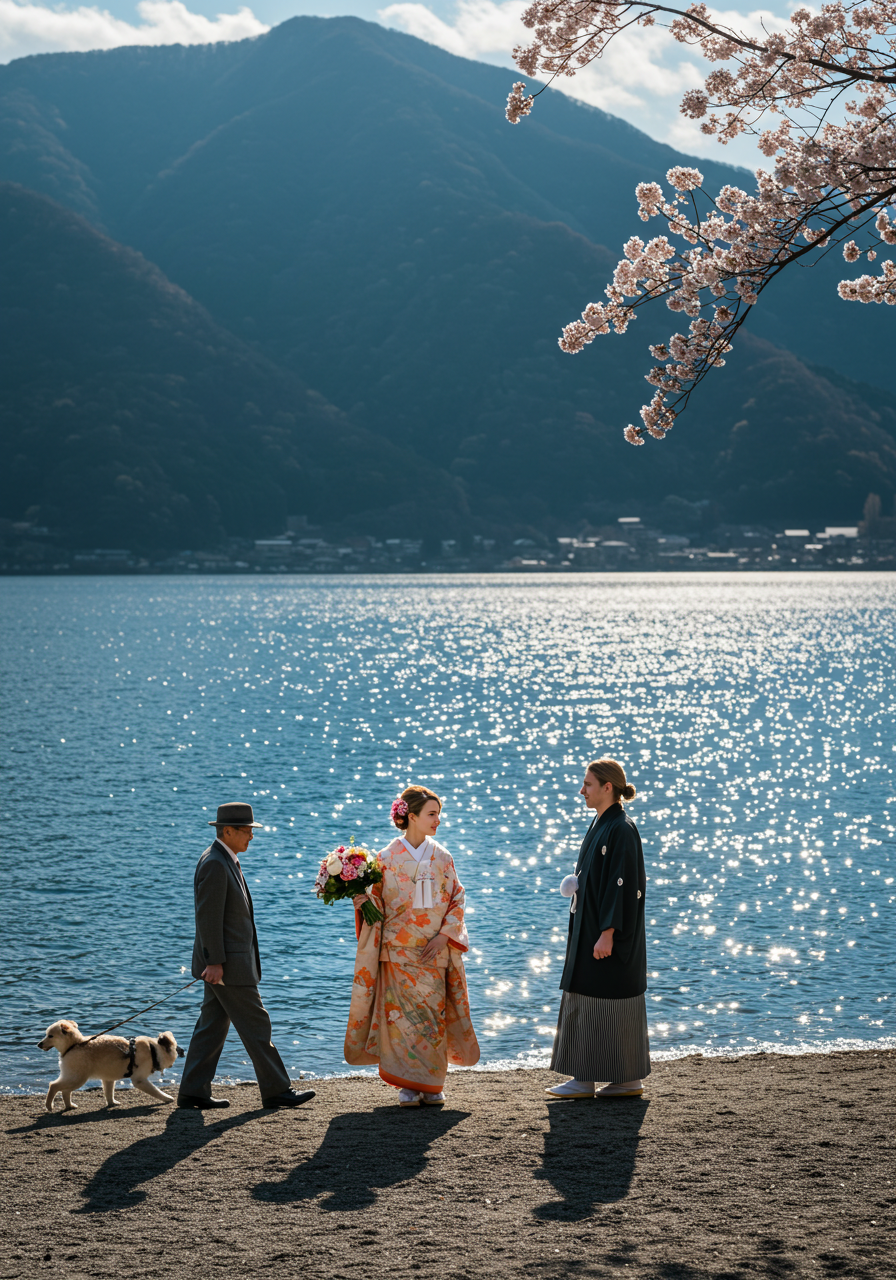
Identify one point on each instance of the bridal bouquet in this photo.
(345, 873)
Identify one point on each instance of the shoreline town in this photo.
(628, 545)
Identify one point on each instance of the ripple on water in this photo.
(754, 714)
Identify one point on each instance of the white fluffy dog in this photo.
(107, 1058)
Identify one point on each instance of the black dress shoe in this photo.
(201, 1104)
(288, 1098)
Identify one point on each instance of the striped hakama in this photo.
(602, 1040)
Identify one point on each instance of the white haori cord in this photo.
(569, 887)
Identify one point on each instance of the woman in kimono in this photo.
(602, 1027)
(410, 1012)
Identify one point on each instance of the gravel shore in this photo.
(759, 1166)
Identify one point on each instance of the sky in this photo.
(641, 78)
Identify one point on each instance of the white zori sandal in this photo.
(432, 1099)
(628, 1089)
(572, 1089)
(408, 1098)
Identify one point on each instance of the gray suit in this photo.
(225, 935)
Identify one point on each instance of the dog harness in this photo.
(132, 1057)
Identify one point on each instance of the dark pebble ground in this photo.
(762, 1166)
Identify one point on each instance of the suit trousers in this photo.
(241, 1006)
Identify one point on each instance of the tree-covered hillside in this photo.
(352, 210)
(128, 417)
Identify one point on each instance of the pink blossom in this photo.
(684, 179)
(829, 180)
(348, 872)
(518, 105)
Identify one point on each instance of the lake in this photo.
(754, 714)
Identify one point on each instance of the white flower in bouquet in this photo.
(349, 872)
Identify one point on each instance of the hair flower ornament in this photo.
(399, 809)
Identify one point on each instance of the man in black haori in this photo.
(602, 1027)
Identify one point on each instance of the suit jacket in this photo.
(225, 921)
(612, 892)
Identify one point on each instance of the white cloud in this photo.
(641, 76)
(482, 29)
(34, 28)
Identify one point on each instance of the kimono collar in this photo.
(419, 853)
(612, 811)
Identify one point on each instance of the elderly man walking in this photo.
(226, 957)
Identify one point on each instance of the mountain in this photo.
(351, 207)
(128, 417)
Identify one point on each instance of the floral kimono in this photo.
(410, 1018)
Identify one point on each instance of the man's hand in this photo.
(432, 948)
(213, 973)
(603, 948)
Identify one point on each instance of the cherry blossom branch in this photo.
(829, 181)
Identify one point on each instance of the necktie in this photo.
(243, 885)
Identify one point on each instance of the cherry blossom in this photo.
(832, 182)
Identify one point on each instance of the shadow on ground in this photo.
(65, 1119)
(363, 1152)
(590, 1151)
(116, 1183)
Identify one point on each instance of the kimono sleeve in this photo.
(620, 880)
(453, 926)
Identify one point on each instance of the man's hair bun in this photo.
(607, 770)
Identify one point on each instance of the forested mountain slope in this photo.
(350, 205)
(128, 417)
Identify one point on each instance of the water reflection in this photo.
(754, 715)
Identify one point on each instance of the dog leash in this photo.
(140, 1012)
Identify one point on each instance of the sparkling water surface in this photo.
(754, 714)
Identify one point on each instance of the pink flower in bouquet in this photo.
(350, 872)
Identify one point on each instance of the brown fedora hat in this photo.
(235, 815)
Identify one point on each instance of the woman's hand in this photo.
(359, 900)
(603, 948)
(432, 948)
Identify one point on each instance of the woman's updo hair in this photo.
(611, 771)
(416, 799)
